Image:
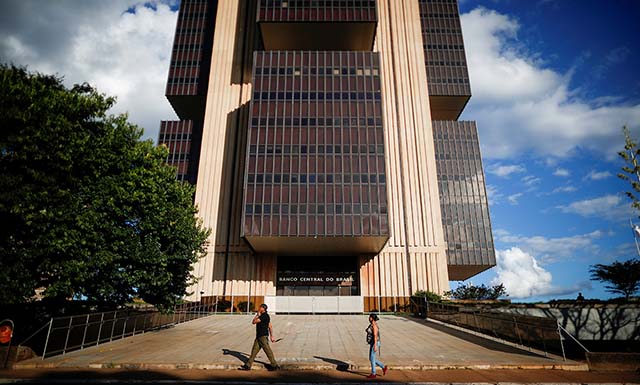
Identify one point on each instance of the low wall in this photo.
(588, 322)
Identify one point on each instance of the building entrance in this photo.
(317, 285)
(317, 276)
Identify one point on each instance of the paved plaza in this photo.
(306, 342)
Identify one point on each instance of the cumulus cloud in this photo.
(523, 276)
(506, 170)
(122, 47)
(515, 93)
(598, 175)
(561, 172)
(553, 249)
(611, 207)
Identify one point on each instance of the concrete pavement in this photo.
(308, 342)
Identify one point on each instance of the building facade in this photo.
(323, 140)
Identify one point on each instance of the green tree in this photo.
(631, 169)
(622, 277)
(479, 293)
(87, 209)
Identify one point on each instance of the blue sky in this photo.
(553, 83)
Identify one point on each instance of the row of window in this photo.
(184, 47)
(453, 31)
(446, 63)
(316, 149)
(180, 80)
(317, 71)
(316, 178)
(185, 63)
(178, 137)
(443, 46)
(449, 156)
(318, 3)
(317, 122)
(177, 157)
(317, 95)
(303, 209)
(441, 15)
(449, 81)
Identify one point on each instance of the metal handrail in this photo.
(520, 331)
(562, 329)
(63, 338)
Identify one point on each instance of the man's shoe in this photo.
(244, 367)
(274, 368)
(371, 376)
(384, 370)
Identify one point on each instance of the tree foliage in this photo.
(479, 293)
(622, 277)
(631, 169)
(87, 209)
(429, 295)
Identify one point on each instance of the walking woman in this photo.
(373, 339)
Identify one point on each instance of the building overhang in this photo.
(318, 36)
(463, 272)
(318, 246)
(444, 107)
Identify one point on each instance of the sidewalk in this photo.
(433, 377)
(321, 342)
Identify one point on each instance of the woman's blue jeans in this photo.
(373, 359)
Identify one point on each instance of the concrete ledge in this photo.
(613, 361)
(297, 365)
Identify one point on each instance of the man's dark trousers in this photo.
(262, 343)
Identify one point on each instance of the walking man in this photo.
(263, 331)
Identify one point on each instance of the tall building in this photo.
(323, 140)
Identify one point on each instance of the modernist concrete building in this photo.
(323, 140)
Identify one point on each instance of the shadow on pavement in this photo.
(485, 343)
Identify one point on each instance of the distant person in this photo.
(373, 339)
(263, 331)
(580, 297)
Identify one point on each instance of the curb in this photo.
(297, 366)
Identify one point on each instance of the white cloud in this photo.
(493, 194)
(531, 181)
(513, 199)
(505, 170)
(611, 207)
(561, 172)
(523, 276)
(564, 189)
(552, 249)
(123, 54)
(598, 175)
(522, 107)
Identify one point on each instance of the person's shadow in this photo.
(341, 366)
(243, 357)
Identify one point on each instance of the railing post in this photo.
(124, 327)
(113, 325)
(46, 342)
(84, 335)
(100, 328)
(66, 341)
(144, 322)
(564, 357)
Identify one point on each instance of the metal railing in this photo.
(544, 334)
(66, 334)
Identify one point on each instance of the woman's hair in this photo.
(374, 316)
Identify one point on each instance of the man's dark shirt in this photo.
(262, 327)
